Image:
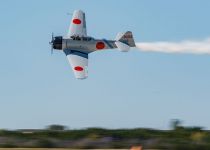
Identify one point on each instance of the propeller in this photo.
(51, 43)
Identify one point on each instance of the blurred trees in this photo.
(55, 127)
(54, 136)
(175, 124)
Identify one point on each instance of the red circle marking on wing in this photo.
(77, 21)
(78, 68)
(100, 45)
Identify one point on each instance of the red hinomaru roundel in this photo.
(77, 21)
(78, 68)
(100, 45)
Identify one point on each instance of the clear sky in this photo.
(124, 90)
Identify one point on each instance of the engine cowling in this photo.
(57, 42)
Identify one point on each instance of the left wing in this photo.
(78, 24)
(78, 62)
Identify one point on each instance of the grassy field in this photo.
(62, 149)
(50, 149)
(56, 149)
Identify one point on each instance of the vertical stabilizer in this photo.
(126, 38)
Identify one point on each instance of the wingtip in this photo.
(78, 11)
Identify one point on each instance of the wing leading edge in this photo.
(78, 62)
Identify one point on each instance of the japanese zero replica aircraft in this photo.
(77, 45)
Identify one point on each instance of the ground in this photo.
(49, 149)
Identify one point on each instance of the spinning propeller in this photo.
(51, 43)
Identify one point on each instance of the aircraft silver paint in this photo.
(77, 45)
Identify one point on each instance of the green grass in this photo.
(51, 149)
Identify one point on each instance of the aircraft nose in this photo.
(57, 42)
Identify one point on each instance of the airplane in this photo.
(77, 45)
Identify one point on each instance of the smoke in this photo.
(195, 47)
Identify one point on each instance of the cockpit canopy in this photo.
(77, 38)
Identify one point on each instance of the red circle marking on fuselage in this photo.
(78, 68)
(100, 45)
(77, 21)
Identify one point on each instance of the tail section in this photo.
(126, 38)
(124, 41)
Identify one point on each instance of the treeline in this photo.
(56, 136)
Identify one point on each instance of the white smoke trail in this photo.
(195, 47)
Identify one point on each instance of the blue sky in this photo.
(124, 90)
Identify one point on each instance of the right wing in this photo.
(78, 62)
(78, 24)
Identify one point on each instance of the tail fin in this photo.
(126, 38)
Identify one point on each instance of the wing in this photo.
(78, 62)
(78, 24)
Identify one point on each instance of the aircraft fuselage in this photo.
(84, 44)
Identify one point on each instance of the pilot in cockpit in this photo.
(77, 38)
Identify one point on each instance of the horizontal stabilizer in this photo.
(122, 46)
